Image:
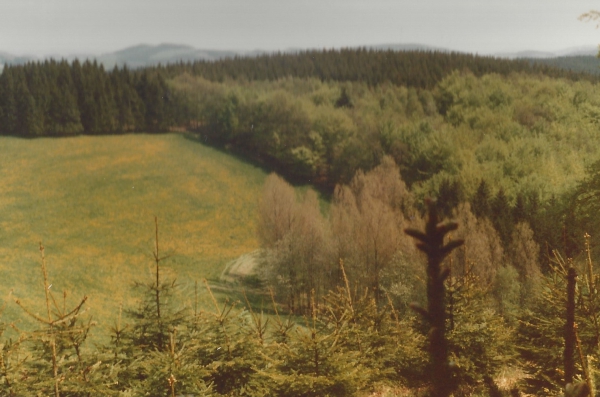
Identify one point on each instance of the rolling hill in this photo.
(144, 55)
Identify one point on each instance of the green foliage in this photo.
(507, 292)
(519, 133)
(315, 363)
(344, 100)
(480, 341)
(501, 217)
(174, 371)
(583, 204)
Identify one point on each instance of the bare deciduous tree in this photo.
(276, 210)
(368, 217)
(296, 240)
(482, 252)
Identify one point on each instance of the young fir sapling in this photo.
(63, 332)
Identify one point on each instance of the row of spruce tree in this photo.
(54, 98)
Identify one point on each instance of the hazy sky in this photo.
(482, 26)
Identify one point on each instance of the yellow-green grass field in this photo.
(91, 201)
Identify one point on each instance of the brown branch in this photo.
(35, 316)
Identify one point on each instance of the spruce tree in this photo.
(321, 356)
(58, 364)
(63, 111)
(152, 333)
(480, 203)
(28, 114)
(450, 195)
(553, 349)
(501, 217)
(8, 103)
(519, 212)
(155, 318)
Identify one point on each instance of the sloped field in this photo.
(91, 201)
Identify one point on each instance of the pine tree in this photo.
(38, 87)
(154, 320)
(229, 344)
(129, 107)
(480, 342)
(153, 91)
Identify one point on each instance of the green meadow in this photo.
(91, 202)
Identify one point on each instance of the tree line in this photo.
(418, 69)
(57, 98)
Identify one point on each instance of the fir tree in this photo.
(153, 328)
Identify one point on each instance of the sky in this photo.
(44, 27)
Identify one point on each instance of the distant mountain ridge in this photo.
(567, 52)
(150, 55)
(136, 56)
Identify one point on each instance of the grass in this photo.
(91, 201)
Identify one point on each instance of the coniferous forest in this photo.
(372, 290)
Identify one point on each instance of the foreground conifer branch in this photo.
(569, 351)
(432, 244)
(61, 326)
(580, 389)
(585, 387)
